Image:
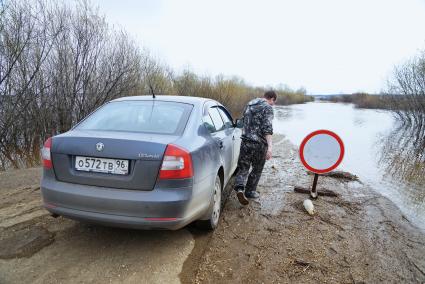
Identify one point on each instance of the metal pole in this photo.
(313, 192)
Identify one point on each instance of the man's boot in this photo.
(241, 195)
(252, 194)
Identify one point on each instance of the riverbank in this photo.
(358, 237)
(375, 150)
(363, 100)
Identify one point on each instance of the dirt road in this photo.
(36, 248)
(358, 237)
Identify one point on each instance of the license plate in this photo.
(101, 165)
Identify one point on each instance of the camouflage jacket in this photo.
(257, 121)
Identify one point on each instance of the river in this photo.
(368, 138)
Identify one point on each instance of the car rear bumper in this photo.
(119, 220)
(161, 208)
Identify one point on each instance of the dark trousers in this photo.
(251, 154)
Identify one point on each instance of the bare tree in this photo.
(407, 91)
(25, 44)
(57, 64)
(157, 77)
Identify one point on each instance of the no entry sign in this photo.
(321, 151)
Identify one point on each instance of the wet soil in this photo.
(36, 248)
(357, 237)
(24, 242)
(345, 176)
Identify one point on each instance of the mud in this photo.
(24, 243)
(339, 175)
(357, 237)
(36, 248)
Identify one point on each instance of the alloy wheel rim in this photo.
(217, 202)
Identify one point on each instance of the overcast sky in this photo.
(326, 46)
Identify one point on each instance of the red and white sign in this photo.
(321, 151)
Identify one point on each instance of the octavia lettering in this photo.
(149, 156)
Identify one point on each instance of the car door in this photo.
(223, 138)
(235, 133)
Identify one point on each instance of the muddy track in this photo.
(357, 237)
(36, 248)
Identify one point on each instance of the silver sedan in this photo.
(143, 162)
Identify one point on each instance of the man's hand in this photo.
(268, 155)
(269, 147)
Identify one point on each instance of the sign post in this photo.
(313, 192)
(321, 152)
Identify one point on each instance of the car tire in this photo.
(214, 217)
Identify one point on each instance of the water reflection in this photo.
(282, 113)
(359, 120)
(402, 153)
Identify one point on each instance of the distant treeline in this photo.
(60, 60)
(404, 94)
(363, 100)
(286, 96)
(233, 92)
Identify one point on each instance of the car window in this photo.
(139, 116)
(216, 118)
(228, 123)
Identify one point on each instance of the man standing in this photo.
(256, 145)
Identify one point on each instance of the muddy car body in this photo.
(143, 162)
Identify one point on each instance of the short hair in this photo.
(270, 95)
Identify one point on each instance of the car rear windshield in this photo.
(139, 116)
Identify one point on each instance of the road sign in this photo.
(321, 151)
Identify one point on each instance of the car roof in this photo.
(180, 99)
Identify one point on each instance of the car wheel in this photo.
(212, 222)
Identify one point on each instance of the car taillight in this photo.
(45, 154)
(177, 163)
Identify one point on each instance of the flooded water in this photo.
(371, 149)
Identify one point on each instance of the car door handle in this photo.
(220, 143)
(233, 138)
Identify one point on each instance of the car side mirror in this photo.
(209, 127)
(228, 124)
(239, 123)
